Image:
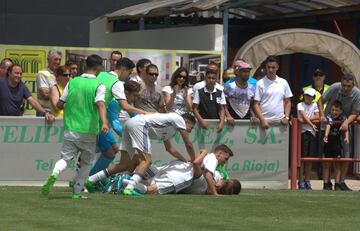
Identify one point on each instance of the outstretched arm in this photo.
(188, 144)
(170, 149)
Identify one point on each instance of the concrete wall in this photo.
(207, 37)
(52, 23)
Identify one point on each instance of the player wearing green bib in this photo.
(83, 103)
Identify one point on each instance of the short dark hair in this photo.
(125, 63)
(69, 63)
(176, 74)
(93, 61)
(9, 70)
(348, 77)
(236, 186)
(116, 53)
(141, 64)
(151, 66)
(132, 86)
(224, 148)
(337, 104)
(272, 59)
(188, 116)
(226, 188)
(212, 70)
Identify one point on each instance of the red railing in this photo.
(295, 153)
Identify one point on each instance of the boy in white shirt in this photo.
(272, 102)
(307, 112)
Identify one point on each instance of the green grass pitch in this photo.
(23, 208)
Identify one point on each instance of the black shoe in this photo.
(344, 187)
(328, 186)
(338, 187)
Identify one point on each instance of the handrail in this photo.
(295, 153)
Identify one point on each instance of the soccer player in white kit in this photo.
(198, 177)
(136, 146)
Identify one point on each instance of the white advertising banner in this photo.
(29, 150)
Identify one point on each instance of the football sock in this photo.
(101, 163)
(99, 176)
(59, 166)
(136, 178)
(80, 177)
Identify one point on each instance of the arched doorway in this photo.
(288, 41)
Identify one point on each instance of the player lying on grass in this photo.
(199, 177)
(137, 133)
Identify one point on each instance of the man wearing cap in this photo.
(239, 94)
(320, 87)
(318, 84)
(349, 96)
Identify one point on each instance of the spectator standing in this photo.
(141, 66)
(320, 87)
(318, 84)
(333, 147)
(228, 74)
(12, 93)
(150, 98)
(211, 67)
(251, 80)
(114, 57)
(239, 94)
(63, 76)
(4, 66)
(46, 78)
(209, 102)
(349, 97)
(73, 68)
(272, 96)
(177, 95)
(307, 112)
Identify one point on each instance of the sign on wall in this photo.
(29, 150)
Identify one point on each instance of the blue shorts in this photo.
(105, 141)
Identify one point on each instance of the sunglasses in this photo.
(319, 75)
(153, 74)
(66, 74)
(181, 77)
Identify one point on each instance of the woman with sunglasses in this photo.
(63, 76)
(177, 95)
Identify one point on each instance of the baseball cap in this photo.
(243, 65)
(310, 91)
(318, 72)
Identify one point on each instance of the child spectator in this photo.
(209, 101)
(307, 112)
(333, 146)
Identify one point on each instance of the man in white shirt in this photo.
(272, 96)
(46, 79)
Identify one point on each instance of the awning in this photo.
(251, 9)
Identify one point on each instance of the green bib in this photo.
(108, 80)
(80, 112)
